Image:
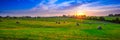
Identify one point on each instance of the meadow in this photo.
(47, 29)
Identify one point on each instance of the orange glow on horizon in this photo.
(79, 13)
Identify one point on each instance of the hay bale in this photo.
(58, 22)
(17, 22)
(77, 24)
(64, 22)
(99, 28)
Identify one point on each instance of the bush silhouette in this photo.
(102, 18)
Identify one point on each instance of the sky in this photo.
(58, 7)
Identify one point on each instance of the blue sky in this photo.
(58, 7)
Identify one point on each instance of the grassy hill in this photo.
(48, 29)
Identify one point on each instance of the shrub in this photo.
(102, 18)
(110, 15)
(116, 20)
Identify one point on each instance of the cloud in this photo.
(50, 5)
(50, 8)
(100, 8)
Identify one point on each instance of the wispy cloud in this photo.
(50, 8)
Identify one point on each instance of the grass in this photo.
(47, 29)
(111, 18)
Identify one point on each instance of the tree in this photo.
(110, 15)
(27, 16)
(0, 16)
(14, 17)
(114, 15)
(7, 17)
(64, 16)
(95, 18)
(102, 18)
(117, 15)
(117, 19)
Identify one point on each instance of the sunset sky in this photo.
(58, 7)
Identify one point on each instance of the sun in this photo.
(80, 13)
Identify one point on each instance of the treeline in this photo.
(14, 17)
(114, 15)
(22, 17)
(116, 20)
(29, 17)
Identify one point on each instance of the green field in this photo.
(48, 29)
(111, 18)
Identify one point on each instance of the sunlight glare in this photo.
(80, 13)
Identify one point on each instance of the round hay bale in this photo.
(58, 22)
(64, 22)
(17, 22)
(77, 24)
(99, 28)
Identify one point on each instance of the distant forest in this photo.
(114, 15)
